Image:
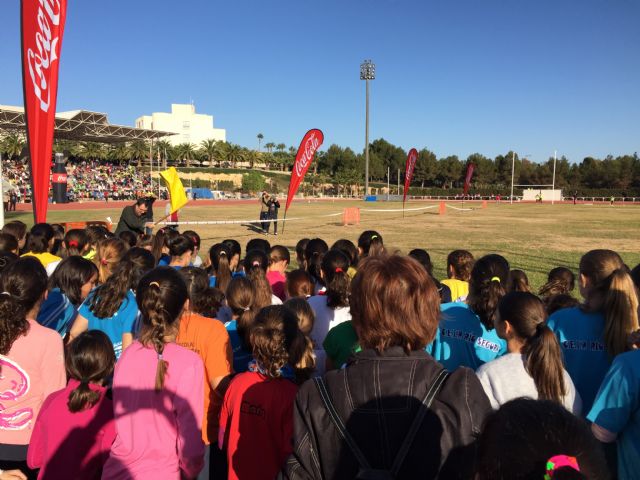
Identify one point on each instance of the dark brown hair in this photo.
(204, 300)
(489, 277)
(462, 262)
(543, 358)
(180, 245)
(89, 359)
(129, 238)
(75, 241)
(561, 280)
(16, 228)
(370, 243)
(161, 240)
(313, 253)
(394, 303)
(241, 299)
(518, 281)
(279, 253)
(255, 266)
(108, 297)
(70, 275)
(519, 439)
(611, 292)
(349, 249)
(276, 341)
(8, 242)
(161, 296)
(300, 249)
(303, 311)
(24, 282)
(299, 284)
(220, 256)
(334, 270)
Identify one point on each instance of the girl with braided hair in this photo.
(158, 389)
(259, 403)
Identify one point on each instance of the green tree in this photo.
(260, 138)
(484, 171)
(269, 146)
(235, 154)
(94, 151)
(12, 144)
(209, 148)
(185, 152)
(139, 149)
(426, 169)
(449, 171)
(252, 182)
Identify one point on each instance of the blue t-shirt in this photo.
(617, 409)
(123, 321)
(585, 357)
(241, 357)
(57, 312)
(212, 278)
(164, 260)
(462, 340)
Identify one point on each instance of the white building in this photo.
(189, 126)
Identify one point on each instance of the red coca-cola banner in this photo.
(42, 24)
(308, 147)
(408, 172)
(467, 179)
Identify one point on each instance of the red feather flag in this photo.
(308, 147)
(412, 158)
(42, 23)
(467, 180)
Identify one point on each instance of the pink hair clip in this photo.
(559, 461)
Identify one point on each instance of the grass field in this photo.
(532, 237)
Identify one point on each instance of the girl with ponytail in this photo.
(370, 244)
(241, 303)
(533, 365)
(255, 266)
(158, 389)
(592, 334)
(220, 272)
(109, 252)
(111, 307)
(259, 403)
(82, 412)
(76, 242)
(466, 336)
(332, 307)
(31, 355)
(180, 250)
(556, 293)
(313, 253)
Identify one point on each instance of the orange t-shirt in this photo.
(209, 339)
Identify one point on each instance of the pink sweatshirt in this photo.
(33, 369)
(72, 445)
(157, 433)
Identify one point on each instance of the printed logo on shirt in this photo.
(14, 384)
(458, 334)
(117, 348)
(256, 410)
(584, 345)
(486, 344)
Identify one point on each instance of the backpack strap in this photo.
(337, 422)
(417, 421)
(433, 390)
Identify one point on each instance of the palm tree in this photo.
(186, 151)
(209, 148)
(235, 154)
(280, 147)
(138, 150)
(269, 146)
(260, 137)
(166, 149)
(253, 157)
(118, 152)
(12, 144)
(92, 151)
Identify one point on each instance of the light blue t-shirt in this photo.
(462, 340)
(212, 278)
(123, 321)
(617, 409)
(241, 357)
(585, 357)
(57, 312)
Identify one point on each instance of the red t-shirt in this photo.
(256, 425)
(277, 282)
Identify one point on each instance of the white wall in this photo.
(529, 194)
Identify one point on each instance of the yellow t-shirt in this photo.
(459, 289)
(45, 257)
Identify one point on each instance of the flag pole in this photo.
(284, 221)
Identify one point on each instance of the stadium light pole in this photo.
(553, 181)
(367, 72)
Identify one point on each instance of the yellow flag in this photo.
(177, 195)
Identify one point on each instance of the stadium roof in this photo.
(80, 125)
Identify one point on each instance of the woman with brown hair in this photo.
(392, 411)
(592, 334)
(533, 365)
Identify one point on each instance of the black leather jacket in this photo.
(377, 397)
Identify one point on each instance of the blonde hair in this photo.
(612, 292)
(109, 252)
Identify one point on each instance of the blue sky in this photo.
(456, 77)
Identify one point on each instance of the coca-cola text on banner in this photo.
(42, 25)
(308, 147)
(412, 158)
(467, 180)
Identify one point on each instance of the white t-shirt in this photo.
(506, 378)
(326, 319)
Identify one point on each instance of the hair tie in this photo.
(73, 243)
(339, 270)
(223, 254)
(373, 237)
(6, 293)
(103, 261)
(194, 239)
(84, 381)
(159, 355)
(495, 279)
(559, 461)
(255, 263)
(154, 284)
(246, 309)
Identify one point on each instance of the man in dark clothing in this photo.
(134, 218)
(273, 206)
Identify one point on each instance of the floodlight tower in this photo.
(367, 72)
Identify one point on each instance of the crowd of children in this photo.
(137, 357)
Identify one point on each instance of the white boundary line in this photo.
(461, 209)
(397, 209)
